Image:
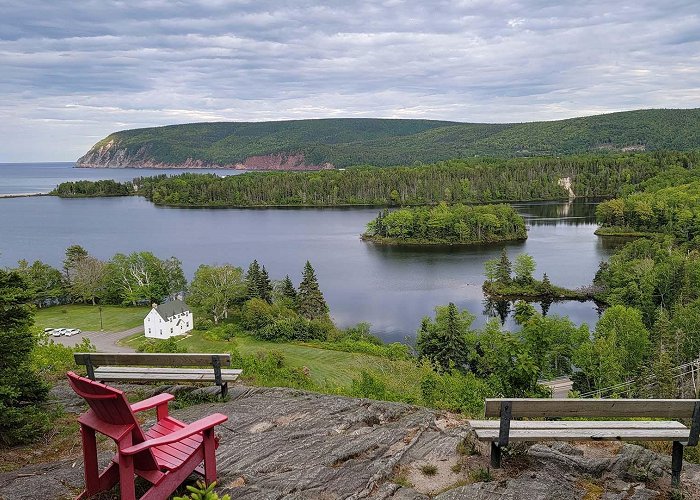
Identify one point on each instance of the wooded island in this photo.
(447, 225)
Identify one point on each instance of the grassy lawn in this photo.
(87, 318)
(336, 368)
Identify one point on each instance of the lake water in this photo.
(43, 177)
(390, 287)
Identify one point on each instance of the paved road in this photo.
(103, 341)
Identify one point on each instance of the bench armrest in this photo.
(193, 428)
(152, 402)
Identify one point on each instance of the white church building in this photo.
(168, 320)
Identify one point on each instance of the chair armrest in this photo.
(193, 428)
(149, 403)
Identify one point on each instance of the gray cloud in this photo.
(74, 71)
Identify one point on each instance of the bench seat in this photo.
(597, 430)
(115, 373)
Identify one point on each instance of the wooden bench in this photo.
(503, 431)
(109, 367)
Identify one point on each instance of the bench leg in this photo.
(676, 464)
(495, 455)
(224, 389)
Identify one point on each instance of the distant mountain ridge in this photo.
(341, 142)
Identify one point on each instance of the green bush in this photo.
(269, 369)
(202, 492)
(167, 345)
(256, 314)
(52, 360)
(226, 331)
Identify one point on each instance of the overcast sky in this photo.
(73, 71)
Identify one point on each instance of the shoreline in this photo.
(21, 195)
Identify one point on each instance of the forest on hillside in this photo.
(347, 142)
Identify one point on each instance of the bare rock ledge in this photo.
(288, 444)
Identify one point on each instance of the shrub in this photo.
(167, 345)
(268, 368)
(52, 360)
(256, 314)
(202, 492)
(222, 332)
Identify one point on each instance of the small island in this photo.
(515, 281)
(444, 224)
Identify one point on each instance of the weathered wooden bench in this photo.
(503, 431)
(110, 367)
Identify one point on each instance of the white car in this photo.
(48, 330)
(57, 332)
(72, 331)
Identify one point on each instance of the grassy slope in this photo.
(337, 368)
(381, 142)
(85, 317)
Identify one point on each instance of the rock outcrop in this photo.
(288, 444)
(112, 154)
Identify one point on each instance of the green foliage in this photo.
(448, 341)
(45, 282)
(52, 360)
(21, 390)
(167, 345)
(202, 492)
(270, 369)
(310, 301)
(448, 224)
(504, 268)
(216, 290)
(84, 189)
(383, 142)
(143, 277)
(481, 475)
(258, 282)
(524, 268)
(552, 342)
(473, 180)
(256, 314)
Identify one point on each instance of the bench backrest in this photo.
(150, 359)
(565, 407)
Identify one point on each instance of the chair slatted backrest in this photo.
(111, 406)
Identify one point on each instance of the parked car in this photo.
(57, 332)
(48, 330)
(72, 331)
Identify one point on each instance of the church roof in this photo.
(171, 308)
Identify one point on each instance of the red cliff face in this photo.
(278, 162)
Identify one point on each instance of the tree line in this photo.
(448, 224)
(474, 180)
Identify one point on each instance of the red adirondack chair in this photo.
(164, 455)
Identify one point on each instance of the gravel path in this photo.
(103, 341)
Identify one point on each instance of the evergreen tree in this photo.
(252, 280)
(504, 268)
(310, 301)
(264, 286)
(662, 369)
(74, 253)
(21, 390)
(547, 288)
(447, 342)
(288, 290)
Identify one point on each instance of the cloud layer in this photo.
(72, 72)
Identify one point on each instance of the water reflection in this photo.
(390, 287)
